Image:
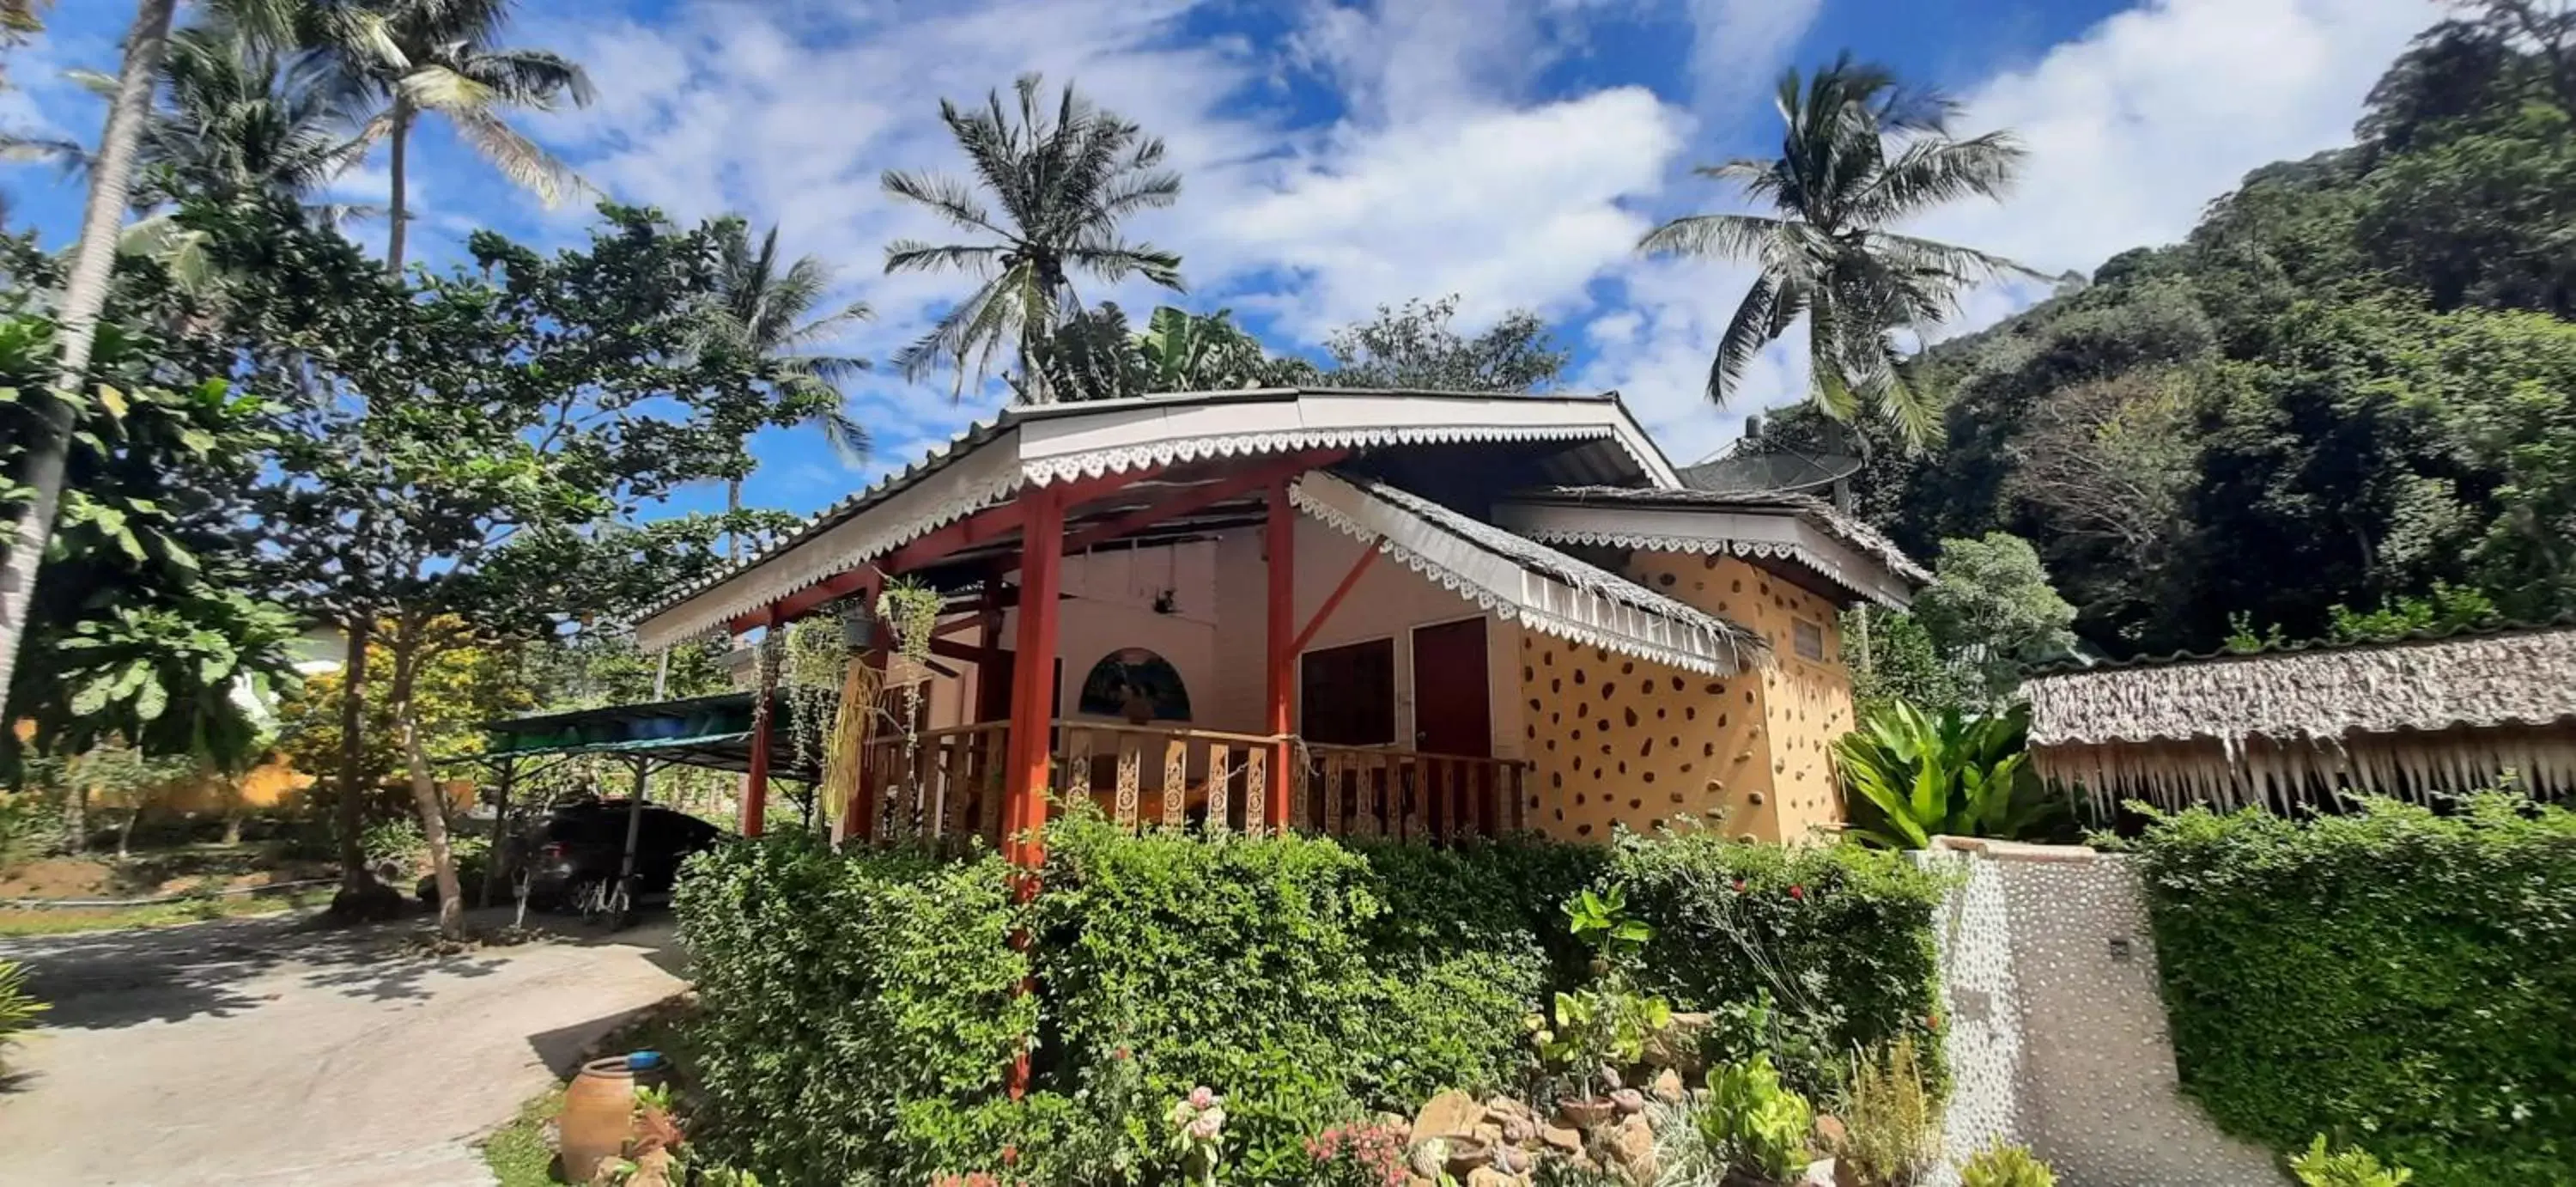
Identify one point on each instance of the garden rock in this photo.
(1668, 1087)
(1676, 1046)
(1561, 1137)
(1486, 1176)
(1452, 1114)
(1631, 1147)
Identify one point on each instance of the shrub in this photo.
(1273, 971)
(2398, 978)
(2000, 1165)
(1913, 776)
(2321, 1167)
(1758, 1127)
(1891, 1118)
(1838, 939)
(845, 996)
(18, 1009)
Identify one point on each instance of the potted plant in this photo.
(1602, 1027)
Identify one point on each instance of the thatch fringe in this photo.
(2284, 775)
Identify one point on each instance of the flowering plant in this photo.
(1198, 1133)
(1359, 1155)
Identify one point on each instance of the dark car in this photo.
(576, 845)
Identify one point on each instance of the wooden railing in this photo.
(948, 783)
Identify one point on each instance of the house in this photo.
(2294, 726)
(1373, 613)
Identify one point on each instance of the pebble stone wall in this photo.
(2056, 1033)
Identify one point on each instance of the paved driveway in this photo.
(265, 1052)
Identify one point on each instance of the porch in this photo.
(950, 783)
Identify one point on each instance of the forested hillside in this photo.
(2354, 382)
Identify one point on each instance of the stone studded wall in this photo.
(1621, 741)
(2055, 1030)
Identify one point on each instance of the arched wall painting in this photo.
(1135, 684)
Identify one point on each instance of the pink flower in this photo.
(1010, 1155)
(1739, 886)
(1797, 892)
(1201, 1097)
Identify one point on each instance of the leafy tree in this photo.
(399, 60)
(1892, 659)
(1991, 608)
(39, 471)
(1094, 356)
(766, 313)
(239, 116)
(1862, 153)
(1413, 346)
(1063, 183)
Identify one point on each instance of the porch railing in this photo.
(950, 781)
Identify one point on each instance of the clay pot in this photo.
(598, 1114)
(1587, 1112)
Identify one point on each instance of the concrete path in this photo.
(264, 1051)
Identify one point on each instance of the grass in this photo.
(518, 1153)
(69, 920)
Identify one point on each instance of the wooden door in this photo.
(1453, 711)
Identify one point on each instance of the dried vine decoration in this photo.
(910, 610)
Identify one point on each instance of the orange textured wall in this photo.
(1621, 741)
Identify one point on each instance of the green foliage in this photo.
(846, 998)
(2000, 1165)
(18, 1010)
(2321, 1167)
(1831, 942)
(1915, 776)
(1181, 948)
(1991, 609)
(2397, 978)
(2449, 608)
(1413, 346)
(1758, 1126)
(1892, 658)
(1891, 1117)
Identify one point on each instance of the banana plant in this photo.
(1919, 775)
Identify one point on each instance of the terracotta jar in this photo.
(598, 1115)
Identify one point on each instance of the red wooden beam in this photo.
(1368, 556)
(1281, 536)
(983, 527)
(755, 784)
(797, 604)
(1208, 495)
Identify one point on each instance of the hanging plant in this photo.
(816, 651)
(910, 610)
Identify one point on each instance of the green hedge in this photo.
(841, 993)
(2397, 979)
(863, 1007)
(1838, 938)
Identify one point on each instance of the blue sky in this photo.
(1340, 156)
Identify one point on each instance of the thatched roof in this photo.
(2402, 717)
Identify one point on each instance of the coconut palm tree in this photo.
(84, 295)
(1861, 153)
(402, 59)
(1062, 182)
(241, 118)
(765, 312)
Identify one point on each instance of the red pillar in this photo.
(1032, 683)
(1282, 539)
(755, 787)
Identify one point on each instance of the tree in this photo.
(1093, 356)
(1063, 183)
(402, 59)
(481, 436)
(766, 313)
(1991, 610)
(1414, 347)
(241, 117)
(1862, 153)
(40, 469)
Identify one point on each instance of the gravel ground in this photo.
(266, 1051)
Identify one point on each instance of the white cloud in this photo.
(1736, 43)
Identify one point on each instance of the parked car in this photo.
(575, 845)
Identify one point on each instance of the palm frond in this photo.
(1716, 236)
(1746, 334)
(518, 158)
(913, 255)
(531, 77)
(1116, 261)
(945, 196)
(1931, 173)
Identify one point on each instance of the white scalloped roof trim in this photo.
(1832, 570)
(767, 578)
(1501, 607)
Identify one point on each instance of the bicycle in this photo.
(596, 898)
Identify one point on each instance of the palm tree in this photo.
(1862, 153)
(84, 295)
(242, 118)
(762, 313)
(402, 59)
(1062, 182)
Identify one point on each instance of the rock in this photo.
(1668, 1087)
(1518, 1131)
(1487, 1134)
(1676, 1046)
(1486, 1176)
(1631, 1147)
(1561, 1137)
(1503, 1109)
(1830, 1133)
(1820, 1173)
(1629, 1100)
(1585, 1113)
(1429, 1159)
(1466, 1155)
(1450, 1114)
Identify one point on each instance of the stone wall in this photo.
(2055, 1030)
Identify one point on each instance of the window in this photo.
(1347, 694)
(1135, 684)
(1808, 639)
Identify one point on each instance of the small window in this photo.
(1808, 639)
(1347, 694)
(1135, 684)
